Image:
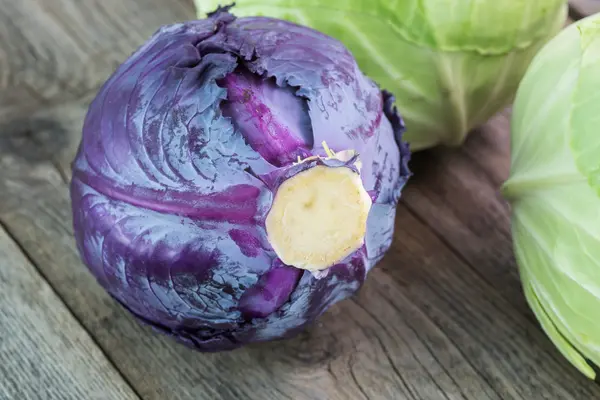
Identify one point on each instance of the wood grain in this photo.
(455, 192)
(425, 326)
(44, 351)
(52, 51)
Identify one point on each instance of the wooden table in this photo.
(442, 317)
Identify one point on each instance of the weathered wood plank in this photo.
(455, 192)
(58, 50)
(44, 352)
(425, 326)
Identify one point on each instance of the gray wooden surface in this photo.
(44, 351)
(442, 316)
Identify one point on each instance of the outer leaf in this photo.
(540, 151)
(556, 237)
(452, 64)
(585, 115)
(485, 26)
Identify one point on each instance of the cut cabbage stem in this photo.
(319, 217)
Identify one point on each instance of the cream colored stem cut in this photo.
(318, 217)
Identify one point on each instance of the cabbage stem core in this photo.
(318, 217)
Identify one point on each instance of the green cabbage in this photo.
(554, 190)
(451, 64)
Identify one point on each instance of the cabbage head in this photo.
(451, 64)
(554, 190)
(235, 178)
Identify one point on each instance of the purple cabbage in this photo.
(182, 153)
